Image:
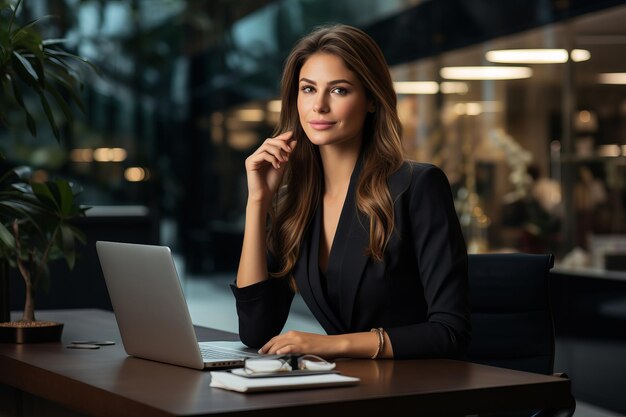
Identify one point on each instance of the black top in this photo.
(418, 294)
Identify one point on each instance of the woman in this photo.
(370, 241)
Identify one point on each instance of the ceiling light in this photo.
(474, 108)
(454, 87)
(580, 55)
(612, 78)
(416, 87)
(485, 73)
(527, 56)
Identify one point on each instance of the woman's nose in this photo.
(320, 105)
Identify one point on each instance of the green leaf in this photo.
(39, 69)
(24, 211)
(30, 122)
(14, 14)
(44, 194)
(62, 104)
(71, 90)
(66, 197)
(27, 67)
(58, 63)
(78, 234)
(6, 237)
(57, 41)
(27, 30)
(67, 246)
(29, 45)
(50, 116)
(58, 53)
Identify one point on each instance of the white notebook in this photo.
(229, 381)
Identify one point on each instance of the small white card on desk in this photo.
(226, 380)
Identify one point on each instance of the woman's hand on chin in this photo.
(266, 166)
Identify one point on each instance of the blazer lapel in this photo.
(348, 253)
(352, 243)
(308, 279)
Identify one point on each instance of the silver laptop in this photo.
(151, 310)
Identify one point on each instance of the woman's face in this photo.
(332, 103)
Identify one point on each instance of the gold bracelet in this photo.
(381, 341)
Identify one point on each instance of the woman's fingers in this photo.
(257, 161)
(273, 150)
(282, 141)
(277, 147)
(279, 153)
(288, 349)
(285, 136)
(290, 342)
(262, 180)
(265, 154)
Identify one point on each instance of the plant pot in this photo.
(34, 332)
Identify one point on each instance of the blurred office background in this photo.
(533, 141)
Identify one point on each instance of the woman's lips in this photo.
(321, 124)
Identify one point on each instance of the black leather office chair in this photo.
(512, 323)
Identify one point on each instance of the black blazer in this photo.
(418, 294)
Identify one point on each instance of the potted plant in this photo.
(35, 217)
(40, 231)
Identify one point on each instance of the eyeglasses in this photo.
(287, 364)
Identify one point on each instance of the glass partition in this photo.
(535, 153)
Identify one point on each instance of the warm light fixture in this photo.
(527, 56)
(274, 106)
(584, 116)
(109, 154)
(416, 87)
(250, 115)
(609, 150)
(474, 108)
(430, 87)
(486, 73)
(81, 155)
(135, 174)
(612, 78)
(580, 55)
(470, 109)
(454, 87)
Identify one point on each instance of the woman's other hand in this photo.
(298, 343)
(348, 345)
(266, 166)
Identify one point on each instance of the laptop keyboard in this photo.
(211, 353)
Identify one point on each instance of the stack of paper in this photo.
(226, 380)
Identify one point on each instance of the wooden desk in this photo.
(106, 382)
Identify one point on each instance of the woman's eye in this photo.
(306, 89)
(340, 90)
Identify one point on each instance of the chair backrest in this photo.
(512, 323)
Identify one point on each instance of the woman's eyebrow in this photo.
(333, 82)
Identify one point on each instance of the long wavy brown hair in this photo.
(382, 154)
